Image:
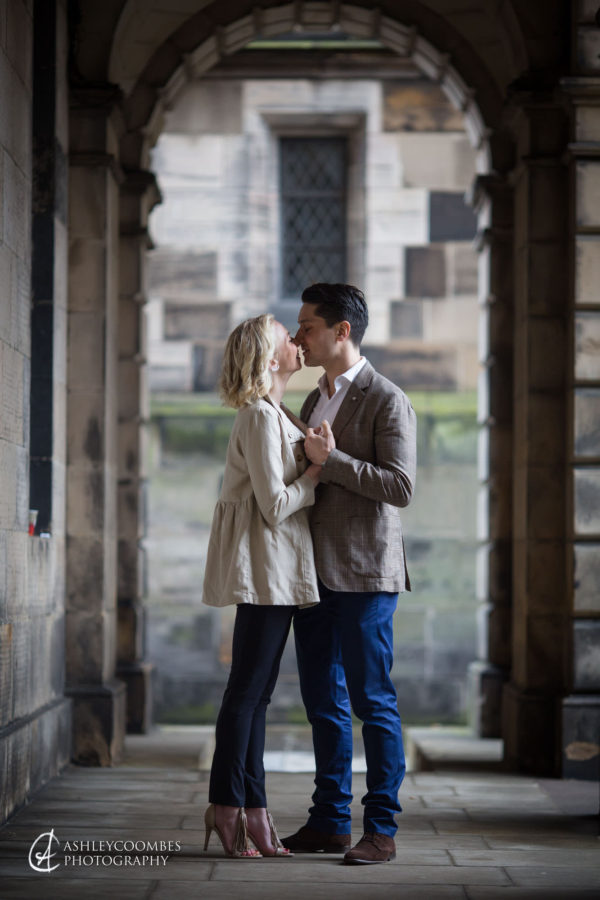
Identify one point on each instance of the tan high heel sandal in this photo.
(276, 848)
(240, 848)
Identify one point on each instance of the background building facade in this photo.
(267, 185)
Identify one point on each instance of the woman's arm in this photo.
(262, 449)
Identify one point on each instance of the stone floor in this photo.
(470, 834)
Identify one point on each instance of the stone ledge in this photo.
(440, 747)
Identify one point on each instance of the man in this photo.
(344, 645)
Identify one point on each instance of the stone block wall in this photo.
(410, 246)
(34, 716)
(409, 231)
(581, 709)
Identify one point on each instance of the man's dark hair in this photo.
(340, 303)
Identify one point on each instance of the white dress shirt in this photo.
(327, 407)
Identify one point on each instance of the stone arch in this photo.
(167, 73)
(502, 63)
(535, 70)
(138, 33)
(201, 43)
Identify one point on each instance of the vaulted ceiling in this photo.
(476, 49)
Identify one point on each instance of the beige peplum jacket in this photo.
(260, 549)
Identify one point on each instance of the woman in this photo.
(260, 557)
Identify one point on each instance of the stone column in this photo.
(581, 708)
(492, 198)
(540, 620)
(139, 193)
(92, 402)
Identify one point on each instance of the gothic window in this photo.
(313, 212)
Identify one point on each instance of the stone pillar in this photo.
(540, 620)
(139, 193)
(581, 708)
(492, 198)
(92, 402)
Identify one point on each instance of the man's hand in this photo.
(319, 443)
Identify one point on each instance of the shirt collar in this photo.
(349, 375)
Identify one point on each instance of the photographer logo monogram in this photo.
(85, 854)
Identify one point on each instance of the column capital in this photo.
(137, 181)
(492, 186)
(491, 196)
(525, 95)
(140, 193)
(96, 120)
(101, 97)
(95, 161)
(142, 185)
(582, 89)
(538, 121)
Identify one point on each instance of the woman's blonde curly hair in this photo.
(245, 375)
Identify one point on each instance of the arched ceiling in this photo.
(143, 26)
(118, 38)
(475, 48)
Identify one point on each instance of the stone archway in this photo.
(526, 607)
(406, 43)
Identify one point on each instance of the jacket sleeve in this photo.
(262, 449)
(391, 479)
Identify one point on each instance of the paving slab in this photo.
(327, 871)
(523, 828)
(548, 856)
(89, 820)
(474, 835)
(278, 891)
(476, 892)
(113, 876)
(47, 888)
(510, 841)
(24, 835)
(570, 878)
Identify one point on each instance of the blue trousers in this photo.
(237, 775)
(344, 647)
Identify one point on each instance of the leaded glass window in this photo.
(313, 212)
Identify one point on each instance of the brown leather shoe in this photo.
(307, 840)
(372, 848)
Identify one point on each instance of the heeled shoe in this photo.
(276, 848)
(240, 848)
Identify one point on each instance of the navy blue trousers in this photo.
(237, 776)
(344, 647)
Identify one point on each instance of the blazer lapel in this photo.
(294, 418)
(354, 397)
(309, 404)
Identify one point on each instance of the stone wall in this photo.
(409, 232)
(581, 709)
(34, 716)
